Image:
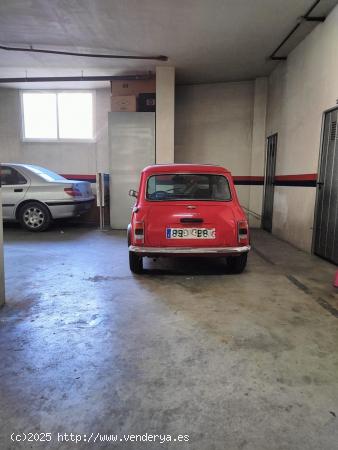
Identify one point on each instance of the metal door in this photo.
(132, 147)
(326, 224)
(269, 182)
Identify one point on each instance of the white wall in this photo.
(213, 125)
(75, 158)
(300, 90)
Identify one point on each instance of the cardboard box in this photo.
(132, 87)
(120, 103)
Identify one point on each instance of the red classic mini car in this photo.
(186, 210)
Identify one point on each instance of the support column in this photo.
(165, 114)
(2, 273)
(258, 149)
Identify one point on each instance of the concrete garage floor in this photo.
(234, 361)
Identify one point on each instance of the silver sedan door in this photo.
(14, 187)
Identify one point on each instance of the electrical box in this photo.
(146, 102)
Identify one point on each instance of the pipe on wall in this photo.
(77, 78)
(306, 18)
(84, 55)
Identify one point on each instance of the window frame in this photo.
(58, 140)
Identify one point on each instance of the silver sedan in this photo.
(35, 196)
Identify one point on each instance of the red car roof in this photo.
(196, 168)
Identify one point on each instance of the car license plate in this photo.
(190, 233)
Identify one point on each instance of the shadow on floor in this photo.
(186, 266)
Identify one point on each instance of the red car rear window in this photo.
(190, 186)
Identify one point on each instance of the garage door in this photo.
(326, 229)
(269, 182)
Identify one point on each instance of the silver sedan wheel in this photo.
(34, 217)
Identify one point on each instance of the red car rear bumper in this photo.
(188, 251)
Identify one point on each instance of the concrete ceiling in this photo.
(206, 40)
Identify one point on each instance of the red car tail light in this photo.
(243, 231)
(139, 232)
(73, 192)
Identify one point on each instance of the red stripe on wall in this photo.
(249, 178)
(302, 177)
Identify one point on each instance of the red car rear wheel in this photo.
(237, 264)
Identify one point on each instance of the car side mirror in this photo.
(133, 193)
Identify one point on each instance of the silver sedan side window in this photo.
(10, 176)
